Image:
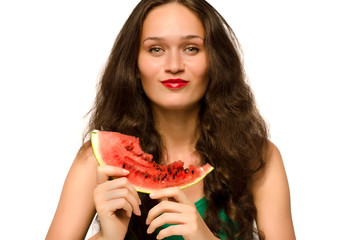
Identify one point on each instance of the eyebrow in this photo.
(188, 37)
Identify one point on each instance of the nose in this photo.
(174, 62)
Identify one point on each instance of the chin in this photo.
(181, 106)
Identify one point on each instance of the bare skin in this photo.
(272, 198)
(171, 49)
(76, 206)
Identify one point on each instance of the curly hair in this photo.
(232, 131)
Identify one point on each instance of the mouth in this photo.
(174, 83)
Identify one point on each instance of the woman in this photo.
(175, 80)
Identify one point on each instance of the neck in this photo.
(178, 130)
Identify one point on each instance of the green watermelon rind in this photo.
(207, 168)
(95, 147)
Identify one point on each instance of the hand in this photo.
(115, 201)
(183, 212)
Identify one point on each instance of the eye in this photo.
(155, 50)
(192, 50)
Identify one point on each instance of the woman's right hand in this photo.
(115, 201)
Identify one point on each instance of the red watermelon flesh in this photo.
(116, 149)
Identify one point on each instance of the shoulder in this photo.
(272, 197)
(85, 154)
(84, 164)
(273, 165)
(273, 160)
(272, 176)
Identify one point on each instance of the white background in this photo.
(303, 59)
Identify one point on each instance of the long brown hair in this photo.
(233, 135)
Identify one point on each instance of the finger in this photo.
(171, 231)
(110, 207)
(122, 182)
(173, 192)
(165, 206)
(116, 184)
(166, 218)
(126, 194)
(106, 171)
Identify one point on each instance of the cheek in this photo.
(146, 73)
(147, 68)
(200, 70)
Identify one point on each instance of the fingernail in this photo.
(147, 221)
(149, 231)
(152, 195)
(125, 171)
(139, 202)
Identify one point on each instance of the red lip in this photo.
(175, 83)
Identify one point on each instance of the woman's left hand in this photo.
(181, 212)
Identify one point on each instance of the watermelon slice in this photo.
(116, 149)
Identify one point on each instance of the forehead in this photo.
(171, 20)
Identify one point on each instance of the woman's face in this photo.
(172, 59)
